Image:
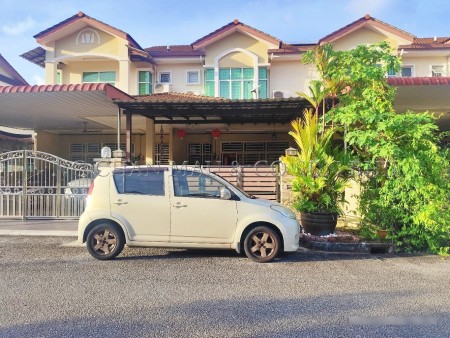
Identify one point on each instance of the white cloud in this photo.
(19, 28)
(37, 79)
(373, 7)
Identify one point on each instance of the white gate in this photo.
(39, 185)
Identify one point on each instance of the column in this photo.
(149, 140)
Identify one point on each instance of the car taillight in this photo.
(91, 187)
(88, 198)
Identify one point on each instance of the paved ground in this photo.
(50, 289)
(38, 227)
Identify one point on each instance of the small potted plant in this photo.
(320, 174)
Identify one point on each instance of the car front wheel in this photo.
(105, 241)
(262, 244)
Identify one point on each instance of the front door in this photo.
(140, 200)
(199, 215)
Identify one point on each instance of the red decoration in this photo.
(216, 133)
(181, 133)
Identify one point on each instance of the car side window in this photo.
(194, 184)
(140, 182)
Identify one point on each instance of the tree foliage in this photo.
(405, 185)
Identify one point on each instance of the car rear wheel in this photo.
(262, 244)
(105, 241)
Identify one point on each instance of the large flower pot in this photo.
(318, 223)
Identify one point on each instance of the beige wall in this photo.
(238, 40)
(59, 145)
(290, 76)
(422, 65)
(108, 45)
(179, 76)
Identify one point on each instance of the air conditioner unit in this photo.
(281, 94)
(162, 88)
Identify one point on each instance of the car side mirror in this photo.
(225, 194)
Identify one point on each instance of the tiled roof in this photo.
(418, 81)
(428, 43)
(292, 48)
(176, 97)
(83, 16)
(14, 77)
(232, 25)
(176, 51)
(367, 18)
(112, 92)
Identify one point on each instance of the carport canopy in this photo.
(177, 108)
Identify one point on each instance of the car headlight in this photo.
(283, 210)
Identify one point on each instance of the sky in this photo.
(170, 22)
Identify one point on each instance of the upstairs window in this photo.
(58, 77)
(236, 83)
(407, 71)
(165, 77)
(209, 82)
(193, 77)
(145, 83)
(263, 83)
(99, 77)
(437, 71)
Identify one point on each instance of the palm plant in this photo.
(320, 171)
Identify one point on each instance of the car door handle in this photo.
(120, 202)
(180, 205)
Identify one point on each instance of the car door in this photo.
(140, 200)
(198, 214)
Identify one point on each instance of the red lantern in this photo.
(181, 133)
(216, 133)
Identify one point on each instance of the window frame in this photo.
(152, 85)
(198, 77)
(407, 66)
(121, 187)
(163, 73)
(98, 77)
(443, 73)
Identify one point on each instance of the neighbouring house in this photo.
(228, 96)
(13, 139)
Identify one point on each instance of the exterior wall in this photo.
(108, 45)
(73, 73)
(238, 40)
(290, 77)
(72, 58)
(134, 75)
(365, 35)
(49, 143)
(179, 77)
(59, 145)
(422, 64)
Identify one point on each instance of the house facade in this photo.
(235, 65)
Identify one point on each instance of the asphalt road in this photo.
(48, 289)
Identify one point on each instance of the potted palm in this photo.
(320, 174)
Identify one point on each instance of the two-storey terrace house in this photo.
(228, 96)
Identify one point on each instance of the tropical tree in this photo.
(408, 189)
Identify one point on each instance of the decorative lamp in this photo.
(216, 133)
(291, 151)
(181, 133)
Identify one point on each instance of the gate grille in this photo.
(39, 185)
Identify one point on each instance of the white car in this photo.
(181, 208)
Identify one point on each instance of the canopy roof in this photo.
(176, 108)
